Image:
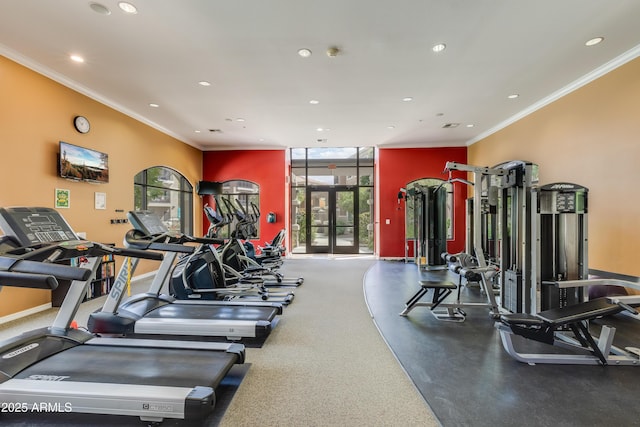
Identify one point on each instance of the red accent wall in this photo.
(263, 167)
(398, 167)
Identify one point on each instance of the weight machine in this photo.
(442, 289)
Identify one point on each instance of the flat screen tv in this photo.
(83, 164)
(209, 187)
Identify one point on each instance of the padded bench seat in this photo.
(433, 284)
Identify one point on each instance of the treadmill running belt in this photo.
(127, 365)
(188, 311)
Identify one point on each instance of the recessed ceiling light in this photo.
(407, 99)
(77, 58)
(204, 83)
(99, 8)
(239, 119)
(391, 127)
(594, 41)
(196, 131)
(154, 105)
(439, 47)
(314, 102)
(305, 53)
(319, 129)
(470, 125)
(127, 7)
(513, 96)
(261, 139)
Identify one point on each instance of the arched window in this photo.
(168, 194)
(247, 194)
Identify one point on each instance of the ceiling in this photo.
(247, 50)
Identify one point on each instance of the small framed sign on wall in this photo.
(100, 200)
(63, 198)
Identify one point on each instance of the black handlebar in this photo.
(24, 280)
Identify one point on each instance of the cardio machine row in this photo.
(137, 377)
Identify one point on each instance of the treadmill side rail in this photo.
(150, 403)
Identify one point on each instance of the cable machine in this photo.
(516, 243)
(559, 227)
(426, 215)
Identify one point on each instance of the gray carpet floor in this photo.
(325, 364)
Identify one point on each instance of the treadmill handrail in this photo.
(28, 280)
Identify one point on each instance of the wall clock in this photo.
(81, 123)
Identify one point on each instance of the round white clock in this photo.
(81, 124)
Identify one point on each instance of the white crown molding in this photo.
(587, 78)
(71, 84)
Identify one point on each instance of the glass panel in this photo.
(365, 218)
(298, 215)
(298, 176)
(319, 218)
(137, 197)
(366, 176)
(345, 220)
(298, 153)
(344, 208)
(366, 153)
(332, 153)
(344, 236)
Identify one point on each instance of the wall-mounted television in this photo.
(209, 187)
(83, 164)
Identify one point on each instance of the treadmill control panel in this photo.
(30, 226)
(147, 222)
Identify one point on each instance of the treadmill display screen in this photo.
(35, 225)
(147, 222)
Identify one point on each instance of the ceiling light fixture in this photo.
(594, 41)
(154, 105)
(333, 51)
(320, 129)
(99, 8)
(391, 127)
(513, 96)
(77, 58)
(470, 125)
(196, 131)
(204, 83)
(239, 119)
(304, 52)
(314, 102)
(439, 47)
(407, 99)
(127, 8)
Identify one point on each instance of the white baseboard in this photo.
(144, 276)
(25, 313)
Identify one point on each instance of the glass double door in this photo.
(333, 224)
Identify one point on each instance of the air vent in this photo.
(321, 141)
(450, 125)
(215, 130)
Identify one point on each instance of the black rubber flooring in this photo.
(468, 379)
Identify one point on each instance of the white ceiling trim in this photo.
(587, 78)
(71, 84)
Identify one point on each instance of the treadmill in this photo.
(153, 314)
(74, 371)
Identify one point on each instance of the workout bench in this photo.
(546, 327)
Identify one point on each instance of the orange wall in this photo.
(36, 113)
(589, 137)
(263, 167)
(397, 168)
